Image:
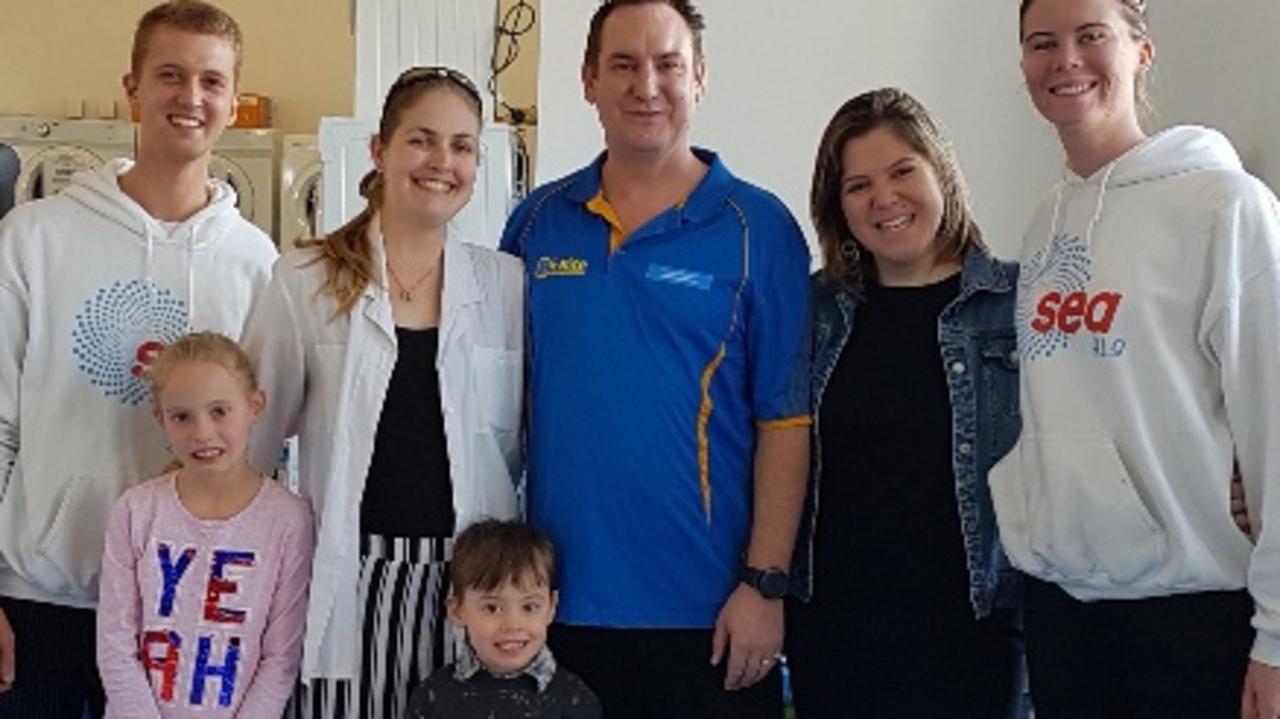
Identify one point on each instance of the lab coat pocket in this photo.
(498, 381)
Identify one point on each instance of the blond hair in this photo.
(202, 348)
(193, 16)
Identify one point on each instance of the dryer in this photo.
(245, 159)
(51, 150)
(300, 190)
(8, 177)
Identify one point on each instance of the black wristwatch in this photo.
(771, 582)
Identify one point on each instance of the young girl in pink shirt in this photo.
(204, 584)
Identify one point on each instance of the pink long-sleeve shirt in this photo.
(202, 618)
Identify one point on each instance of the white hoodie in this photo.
(91, 287)
(1149, 329)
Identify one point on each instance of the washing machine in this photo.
(8, 177)
(51, 150)
(245, 159)
(301, 187)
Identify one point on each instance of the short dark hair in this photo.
(493, 552)
(194, 16)
(685, 8)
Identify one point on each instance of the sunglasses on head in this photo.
(415, 75)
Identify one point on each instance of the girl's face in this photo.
(893, 204)
(429, 165)
(1082, 64)
(207, 414)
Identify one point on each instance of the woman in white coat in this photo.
(393, 351)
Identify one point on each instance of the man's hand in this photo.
(8, 661)
(1261, 692)
(751, 627)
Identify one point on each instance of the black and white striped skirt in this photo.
(405, 631)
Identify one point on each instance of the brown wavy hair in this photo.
(845, 260)
(346, 252)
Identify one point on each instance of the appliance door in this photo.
(47, 169)
(8, 177)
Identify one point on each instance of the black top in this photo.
(888, 535)
(484, 696)
(408, 492)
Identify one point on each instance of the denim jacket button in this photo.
(957, 368)
(964, 448)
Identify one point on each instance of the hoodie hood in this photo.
(1173, 152)
(100, 192)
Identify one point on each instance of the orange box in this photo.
(253, 110)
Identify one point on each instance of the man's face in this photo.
(646, 82)
(184, 90)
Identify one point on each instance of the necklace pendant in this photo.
(404, 295)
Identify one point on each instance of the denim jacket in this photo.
(979, 355)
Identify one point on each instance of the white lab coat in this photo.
(326, 375)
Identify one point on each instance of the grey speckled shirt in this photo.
(469, 691)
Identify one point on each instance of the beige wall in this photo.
(299, 52)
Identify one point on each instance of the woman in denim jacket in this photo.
(913, 605)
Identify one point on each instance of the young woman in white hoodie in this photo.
(93, 283)
(1147, 321)
(393, 350)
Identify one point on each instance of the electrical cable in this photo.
(518, 20)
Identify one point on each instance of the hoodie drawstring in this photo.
(1097, 210)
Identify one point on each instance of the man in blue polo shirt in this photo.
(668, 314)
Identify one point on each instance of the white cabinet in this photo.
(392, 35)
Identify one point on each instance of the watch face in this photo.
(773, 584)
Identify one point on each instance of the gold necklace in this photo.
(406, 293)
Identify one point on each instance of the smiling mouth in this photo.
(208, 453)
(1073, 89)
(511, 646)
(434, 185)
(186, 122)
(896, 224)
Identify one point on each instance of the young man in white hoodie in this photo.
(93, 283)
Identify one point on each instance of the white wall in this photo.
(1217, 64)
(778, 70)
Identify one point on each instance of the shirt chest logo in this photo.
(1055, 305)
(547, 267)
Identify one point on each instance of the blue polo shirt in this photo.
(651, 368)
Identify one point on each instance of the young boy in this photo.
(501, 575)
(93, 283)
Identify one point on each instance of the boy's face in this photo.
(508, 626)
(185, 92)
